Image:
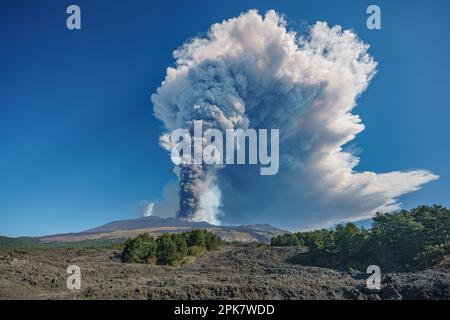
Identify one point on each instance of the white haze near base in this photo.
(252, 72)
(148, 211)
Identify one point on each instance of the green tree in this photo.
(166, 252)
(318, 240)
(350, 239)
(397, 239)
(351, 245)
(197, 238)
(181, 245)
(141, 249)
(403, 240)
(287, 239)
(168, 248)
(436, 222)
(212, 241)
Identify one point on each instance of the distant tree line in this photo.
(403, 240)
(169, 249)
(30, 243)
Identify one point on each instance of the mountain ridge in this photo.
(144, 222)
(157, 225)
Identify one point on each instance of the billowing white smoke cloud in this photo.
(149, 209)
(251, 72)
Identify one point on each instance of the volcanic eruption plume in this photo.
(253, 72)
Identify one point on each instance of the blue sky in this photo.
(79, 143)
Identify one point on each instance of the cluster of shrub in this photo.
(399, 241)
(169, 249)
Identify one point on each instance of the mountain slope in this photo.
(146, 222)
(155, 225)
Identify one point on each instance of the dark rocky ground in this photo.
(251, 271)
